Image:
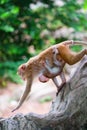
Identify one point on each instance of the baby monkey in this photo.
(55, 70)
(49, 64)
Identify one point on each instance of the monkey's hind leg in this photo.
(78, 56)
(56, 83)
(62, 76)
(69, 56)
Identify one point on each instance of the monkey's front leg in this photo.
(63, 79)
(26, 92)
(59, 87)
(55, 82)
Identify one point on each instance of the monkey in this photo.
(34, 66)
(52, 72)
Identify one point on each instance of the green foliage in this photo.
(85, 4)
(9, 71)
(45, 99)
(21, 26)
(76, 48)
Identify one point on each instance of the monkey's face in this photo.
(22, 71)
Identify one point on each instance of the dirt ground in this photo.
(39, 101)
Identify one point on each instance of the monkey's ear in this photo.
(23, 67)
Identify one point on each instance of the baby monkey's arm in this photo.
(55, 61)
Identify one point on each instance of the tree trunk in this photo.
(68, 110)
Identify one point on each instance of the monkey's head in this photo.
(22, 71)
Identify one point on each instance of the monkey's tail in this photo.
(80, 43)
(25, 94)
(72, 42)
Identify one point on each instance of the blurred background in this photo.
(27, 28)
